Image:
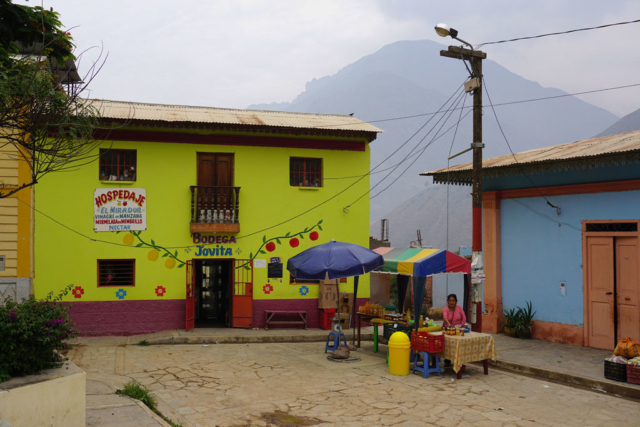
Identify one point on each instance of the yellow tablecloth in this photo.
(472, 347)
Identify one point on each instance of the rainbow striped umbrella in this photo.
(420, 262)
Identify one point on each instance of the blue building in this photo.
(560, 229)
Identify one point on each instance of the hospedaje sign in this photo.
(120, 210)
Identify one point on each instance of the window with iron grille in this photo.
(116, 272)
(118, 165)
(612, 226)
(305, 172)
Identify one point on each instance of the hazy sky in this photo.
(232, 53)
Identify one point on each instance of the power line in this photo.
(486, 89)
(559, 33)
(453, 140)
(355, 182)
(457, 101)
(522, 101)
(434, 139)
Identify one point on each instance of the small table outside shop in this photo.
(363, 317)
(472, 347)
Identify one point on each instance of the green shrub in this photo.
(30, 332)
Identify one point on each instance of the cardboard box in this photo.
(346, 298)
(345, 309)
(327, 295)
(345, 320)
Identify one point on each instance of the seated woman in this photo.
(453, 314)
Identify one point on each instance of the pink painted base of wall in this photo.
(118, 318)
(308, 305)
(558, 332)
(99, 318)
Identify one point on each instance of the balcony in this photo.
(215, 209)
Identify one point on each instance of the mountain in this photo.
(410, 78)
(628, 123)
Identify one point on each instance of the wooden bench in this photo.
(269, 314)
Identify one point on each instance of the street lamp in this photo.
(475, 57)
(444, 30)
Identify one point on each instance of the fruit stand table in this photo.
(472, 347)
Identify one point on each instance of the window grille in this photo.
(612, 226)
(118, 165)
(305, 172)
(116, 272)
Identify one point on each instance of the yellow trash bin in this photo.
(399, 349)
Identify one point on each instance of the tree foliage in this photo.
(51, 129)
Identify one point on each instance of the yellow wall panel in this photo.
(166, 171)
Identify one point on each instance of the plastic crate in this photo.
(615, 371)
(633, 374)
(422, 341)
(325, 318)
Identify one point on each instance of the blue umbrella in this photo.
(335, 260)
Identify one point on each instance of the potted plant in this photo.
(510, 318)
(525, 321)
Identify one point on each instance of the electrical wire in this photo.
(355, 182)
(453, 140)
(486, 89)
(411, 153)
(434, 139)
(522, 101)
(559, 33)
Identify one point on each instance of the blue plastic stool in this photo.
(336, 341)
(425, 368)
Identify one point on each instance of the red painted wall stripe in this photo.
(253, 141)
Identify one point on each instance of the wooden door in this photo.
(627, 286)
(600, 282)
(191, 304)
(215, 170)
(242, 294)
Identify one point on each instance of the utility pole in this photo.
(474, 57)
(419, 239)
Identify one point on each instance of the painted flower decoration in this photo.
(160, 291)
(304, 290)
(267, 288)
(121, 293)
(78, 292)
(314, 235)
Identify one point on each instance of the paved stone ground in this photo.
(250, 384)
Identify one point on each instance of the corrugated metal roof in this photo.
(606, 145)
(182, 113)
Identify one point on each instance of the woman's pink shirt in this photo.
(457, 317)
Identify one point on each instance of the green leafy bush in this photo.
(30, 332)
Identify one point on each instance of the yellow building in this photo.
(16, 226)
(189, 214)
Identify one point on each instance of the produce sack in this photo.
(627, 348)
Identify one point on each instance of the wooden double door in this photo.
(611, 289)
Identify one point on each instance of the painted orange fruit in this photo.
(128, 239)
(153, 255)
(170, 263)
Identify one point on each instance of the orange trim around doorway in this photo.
(492, 249)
